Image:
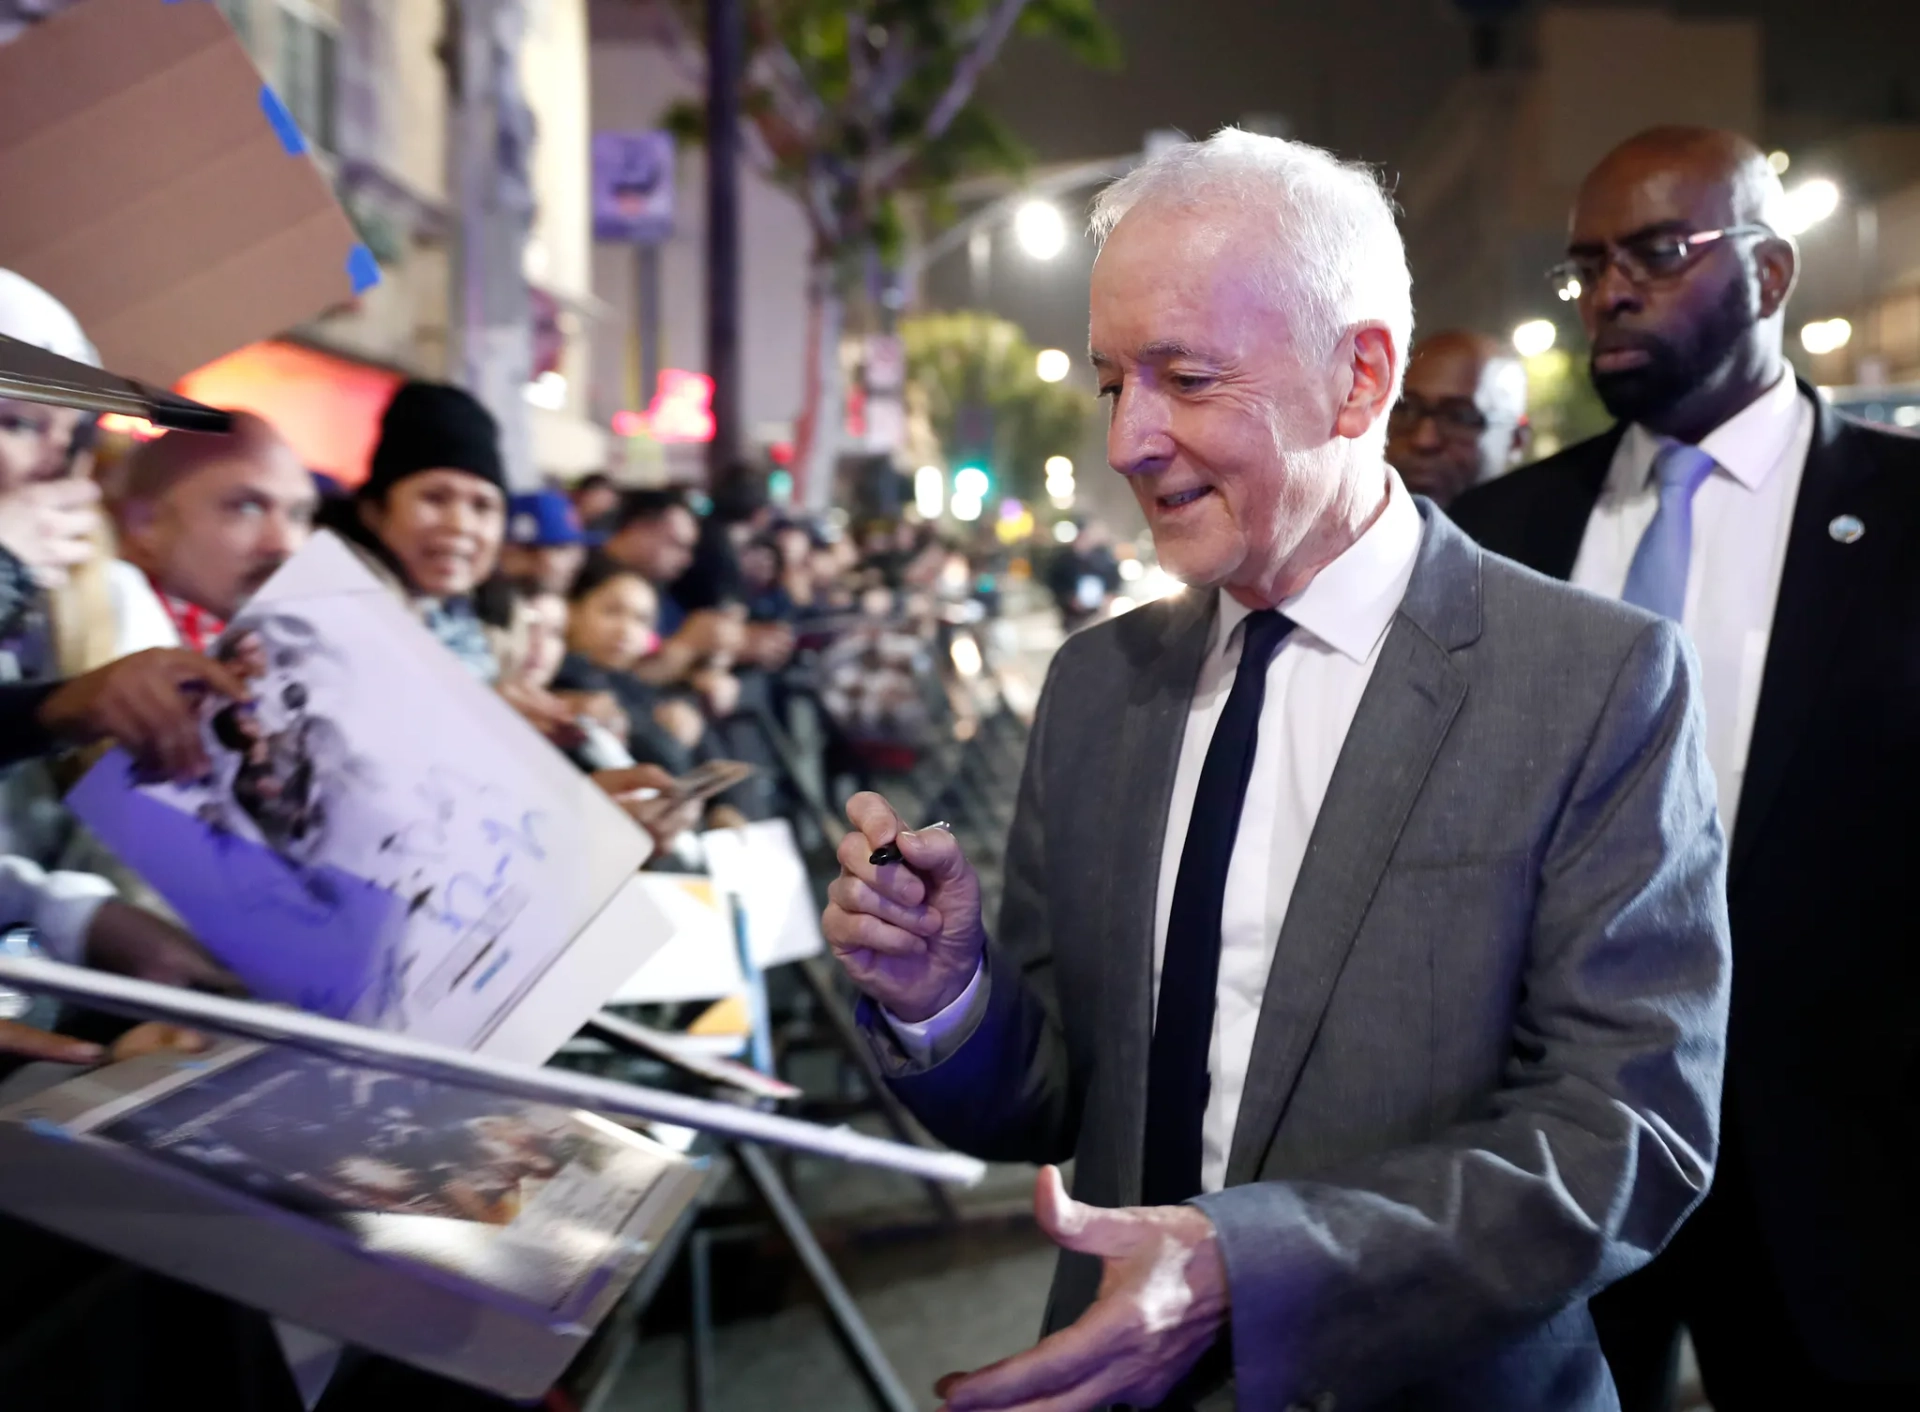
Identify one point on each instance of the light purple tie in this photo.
(1657, 579)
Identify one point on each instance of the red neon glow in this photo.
(781, 453)
(328, 407)
(681, 411)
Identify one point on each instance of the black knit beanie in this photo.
(430, 426)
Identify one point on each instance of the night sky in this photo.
(1360, 78)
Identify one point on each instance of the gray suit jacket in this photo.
(1487, 1072)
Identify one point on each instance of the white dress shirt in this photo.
(1742, 515)
(1314, 685)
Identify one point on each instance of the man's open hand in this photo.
(908, 933)
(1163, 1301)
(149, 704)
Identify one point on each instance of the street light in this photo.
(1826, 336)
(1052, 365)
(1779, 161)
(969, 483)
(1038, 226)
(1534, 337)
(1808, 204)
(929, 491)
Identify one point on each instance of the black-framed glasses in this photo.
(1643, 259)
(1452, 416)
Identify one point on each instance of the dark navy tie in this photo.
(1177, 1080)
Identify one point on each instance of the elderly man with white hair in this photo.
(1364, 940)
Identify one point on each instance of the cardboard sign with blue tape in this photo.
(161, 192)
(281, 120)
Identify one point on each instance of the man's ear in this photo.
(1375, 363)
(134, 519)
(1777, 263)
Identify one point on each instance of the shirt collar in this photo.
(1747, 446)
(1350, 603)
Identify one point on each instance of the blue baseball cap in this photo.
(546, 519)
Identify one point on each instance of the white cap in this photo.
(30, 314)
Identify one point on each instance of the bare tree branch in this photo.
(966, 77)
(896, 67)
(966, 74)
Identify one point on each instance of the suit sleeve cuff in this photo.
(934, 1039)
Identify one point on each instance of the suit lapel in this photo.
(1404, 714)
(1160, 696)
(1818, 585)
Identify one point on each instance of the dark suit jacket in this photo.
(1484, 1076)
(1823, 1082)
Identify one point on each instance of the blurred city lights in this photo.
(1156, 583)
(136, 427)
(1065, 532)
(966, 655)
(1826, 336)
(1120, 604)
(1570, 290)
(1779, 161)
(970, 483)
(1060, 484)
(1038, 226)
(965, 507)
(1131, 569)
(1534, 337)
(549, 391)
(1808, 204)
(1052, 365)
(929, 491)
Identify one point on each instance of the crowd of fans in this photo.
(645, 633)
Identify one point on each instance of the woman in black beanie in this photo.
(433, 512)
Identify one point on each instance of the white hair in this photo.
(1337, 259)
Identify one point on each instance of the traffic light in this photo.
(971, 481)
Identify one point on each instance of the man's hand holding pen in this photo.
(908, 933)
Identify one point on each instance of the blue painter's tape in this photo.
(362, 269)
(281, 120)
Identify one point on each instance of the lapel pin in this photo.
(1846, 528)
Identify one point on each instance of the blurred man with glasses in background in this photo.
(1462, 417)
(1786, 540)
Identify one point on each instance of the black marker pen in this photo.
(890, 852)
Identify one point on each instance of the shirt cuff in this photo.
(60, 907)
(935, 1038)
